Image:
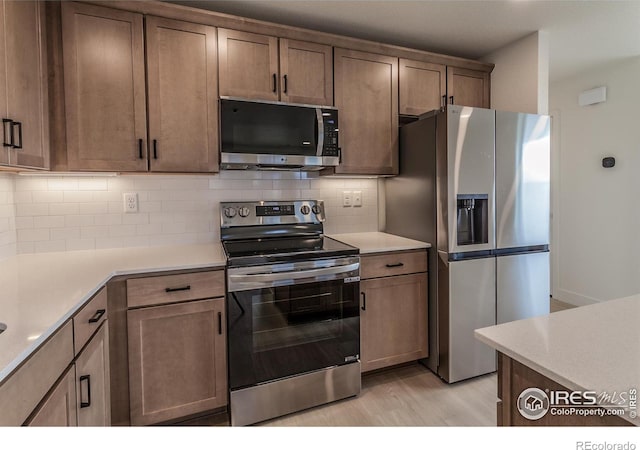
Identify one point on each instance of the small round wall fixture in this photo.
(608, 162)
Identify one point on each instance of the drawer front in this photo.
(22, 391)
(390, 264)
(174, 288)
(89, 319)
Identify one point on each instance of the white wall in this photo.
(520, 79)
(75, 213)
(596, 221)
(7, 217)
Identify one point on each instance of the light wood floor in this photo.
(403, 396)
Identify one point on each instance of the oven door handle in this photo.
(294, 275)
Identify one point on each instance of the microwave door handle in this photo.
(319, 131)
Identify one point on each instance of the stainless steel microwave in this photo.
(277, 136)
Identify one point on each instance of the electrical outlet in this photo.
(357, 198)
(130, 202)
(346, 198)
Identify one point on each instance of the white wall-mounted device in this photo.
(593, 96)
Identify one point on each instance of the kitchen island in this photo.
(592, 349)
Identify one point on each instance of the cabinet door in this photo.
(248, 65)
(92, 382)
(183, 96)
(27, 102)
(366, 94)
(59, 410)
(422, 86)
(393, 320)
(468, 87)
(104, 87)
(4, 151)
(306, 71)
(177, 360)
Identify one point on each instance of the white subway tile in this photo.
(139, 218)
(47, 196)
(81, 244)
(108, 219)
(94, 208)
(109, 242)
(32, 209)
(122, 230)
(50, 246)
(77, 196)
(24, 222)
(35, 234)
(92, 184)
(175, 227)
(48, 222)
(22, 197)
(65, 233)
(147, 207)
(31, 184)
(78, 220)
(63, 209)
(25, 247)
(94, 231)
(149, 229)
(62, 184)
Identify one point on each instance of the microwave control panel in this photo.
(330, 121)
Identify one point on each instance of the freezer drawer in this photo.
(522, 286)
(472, 305)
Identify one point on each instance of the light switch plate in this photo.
(346, 198)
(357, 198)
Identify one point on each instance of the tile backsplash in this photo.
(7, 216)
(76, 213)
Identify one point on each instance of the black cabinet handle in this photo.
(444, 102)
(364, 301)
(339, 155)
(97, 316)
(4, 131)
(184, 288)
(155, 149)
(86, 378)
(219, 322)
(451, 99)
(140, 148)
(19, 125)
(395, 265)
(285, 84)
(275, 81)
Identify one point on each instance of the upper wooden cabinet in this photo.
(468, 87)
(366, 94)
(182, 80)
(105, 90)
(257, 67)
(423, 86)
(23, 85)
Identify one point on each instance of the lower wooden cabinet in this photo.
(177, 360)
(92, 382)
(59, 409)
(393, 320)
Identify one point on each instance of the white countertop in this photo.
(378, 242)
(595, 347)
(42, 291)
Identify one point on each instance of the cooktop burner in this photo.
(265, 232)
(270, 250)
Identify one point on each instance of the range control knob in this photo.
(305, 210)
(316, 209)
(229, 212)
(244, 211)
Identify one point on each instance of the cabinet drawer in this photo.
(89, 319)
(174, 288)
(389, 264)
(24, 389)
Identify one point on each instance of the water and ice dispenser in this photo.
(472, 219)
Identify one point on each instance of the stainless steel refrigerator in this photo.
(475, 183)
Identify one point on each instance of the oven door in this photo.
(294, 325)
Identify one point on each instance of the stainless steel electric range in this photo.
(292, 309)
